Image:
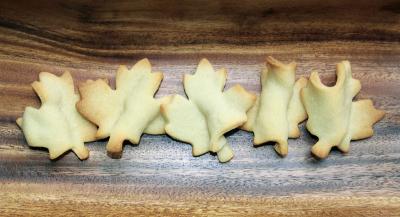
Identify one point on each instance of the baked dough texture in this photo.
(204, 118)
(57, 125)
(126, 112)
(332, 116)
(278, 110)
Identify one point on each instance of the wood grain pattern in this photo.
(159, 176)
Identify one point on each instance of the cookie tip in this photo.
(281, 149)
(19, 121)
(114, 155)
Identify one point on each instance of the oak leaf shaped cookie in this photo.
(57, 125)
(332, 116)
(278, 110)
(126, 112)
(204, 118)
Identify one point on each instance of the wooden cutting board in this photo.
(160, 176)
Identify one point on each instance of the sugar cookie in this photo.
(204, 118)
(57, 125)
(332, 116)
(278, 110)
(126, 112)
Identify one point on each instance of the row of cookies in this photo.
(66, 120)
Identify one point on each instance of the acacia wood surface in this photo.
(160, 176)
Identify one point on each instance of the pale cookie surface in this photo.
(204, 118)
(332, 116)
(126, 112)
(57, 125)
(278, 110)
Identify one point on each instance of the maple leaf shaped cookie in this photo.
(126, 112)
(278, 110)
(204, 118)
(57, 125)
(332, 116)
